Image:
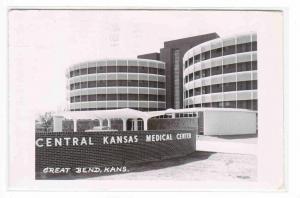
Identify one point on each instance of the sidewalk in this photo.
(227, 144)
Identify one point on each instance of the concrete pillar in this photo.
(124, 124)
(75, 125)
(173, 115)
(135, 124)
(100, 123)
(145, 121)
(57, 123)
(109, 123)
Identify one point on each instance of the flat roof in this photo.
(127, 113)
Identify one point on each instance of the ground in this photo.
(198, 166)
(218, 158)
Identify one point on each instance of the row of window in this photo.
(109, 97)
(140, 109)
(178, 115)
(117, 69)
(222, 69)
(241, 104)
(117, 83)
(223, 51)
(226, 87)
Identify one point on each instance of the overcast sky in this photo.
(42, 44)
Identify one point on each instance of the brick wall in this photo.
(100, 155)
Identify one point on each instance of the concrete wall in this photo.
(229, 123)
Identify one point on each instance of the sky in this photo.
(44, 43)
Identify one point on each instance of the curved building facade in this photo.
(117, 83)
(222, 73)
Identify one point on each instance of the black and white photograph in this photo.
(139, 95)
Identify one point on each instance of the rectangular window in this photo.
(191, 61)
(152, 97)
(228, 50)
(91, 84)
(77, 85)
(83, 71)
(71, 74)
(101, 83)
(230, 104)
(244, 47)
(101, 69)
(198, 91)
(216, 70)
(216, 52)
(84, 85)
(197, 75)
(205, 72)
(229, 87)
(122, 68)
(143, 83)
(122, 97)
(143, 70)
(111, 83)
(254, 65)
(161, 85)
(191, 76)
(92, 70)
(111, 69)
(244, 104)
(254, 84)
(254, 104)
(133, 69)
(216, 88)
(244, 66)
(92, 97)
(161, 98)
(231, 68)
(77, 98)
(84, 98)
(133, 97)
(132, 83)
(197, 58)
(72, 86)
(153, 70)
(206, 90)
(186, 79)
(112, 97)
(161, 71)
(76, 72)
(205, 55)
(153, 84)
(244, 85)
(101, 97)
(191, 92)
(254, 46)
(206, 104)
(217, 104)
(122, 83)
(143, 97)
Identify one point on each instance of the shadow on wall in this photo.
(173, 124)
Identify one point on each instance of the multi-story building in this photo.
(171, 54)
(222, 73)
(117, 83)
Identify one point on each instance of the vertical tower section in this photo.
(222, 73)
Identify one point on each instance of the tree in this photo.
(46, 121)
